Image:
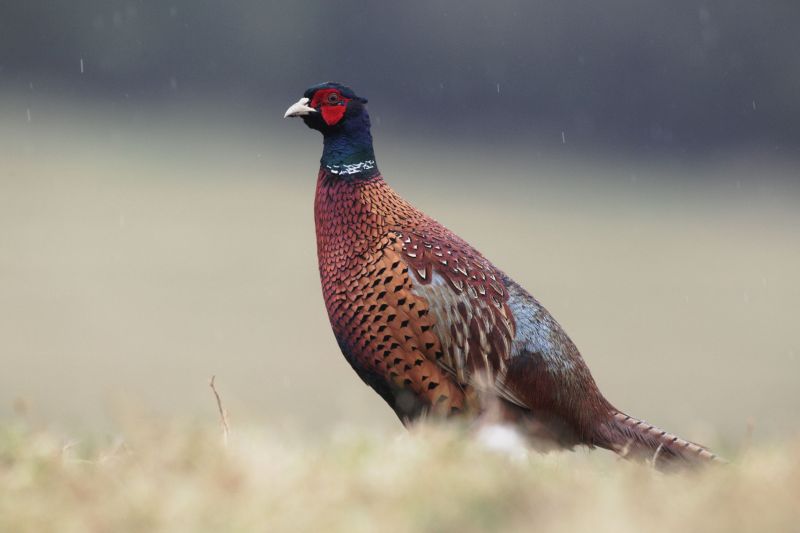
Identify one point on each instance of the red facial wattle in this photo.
(331, 104)
(332, 114)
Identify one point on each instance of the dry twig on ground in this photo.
(223, 414)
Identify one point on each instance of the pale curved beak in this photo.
(299, 109)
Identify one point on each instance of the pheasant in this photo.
(434, 327)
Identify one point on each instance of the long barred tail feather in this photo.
(634, 438)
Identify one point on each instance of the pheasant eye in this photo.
(333, 98)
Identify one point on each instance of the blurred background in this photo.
(634, 164)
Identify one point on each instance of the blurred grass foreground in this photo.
(431, 479)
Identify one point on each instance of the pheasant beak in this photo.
(299, 109)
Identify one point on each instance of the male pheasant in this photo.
(432, 325)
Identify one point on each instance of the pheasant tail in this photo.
(634, 438)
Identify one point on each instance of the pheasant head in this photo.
(341, 116)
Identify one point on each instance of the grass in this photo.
(183, 478)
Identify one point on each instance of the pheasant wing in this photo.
(469, 304)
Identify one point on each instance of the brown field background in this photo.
(140, 253)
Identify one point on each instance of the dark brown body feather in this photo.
(435, 328)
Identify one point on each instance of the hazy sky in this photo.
(685, 76)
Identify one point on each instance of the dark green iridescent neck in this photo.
(347, 150)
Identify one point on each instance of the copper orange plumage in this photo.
(432, 325)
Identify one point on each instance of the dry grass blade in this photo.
(223, 414)
(654, 460)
